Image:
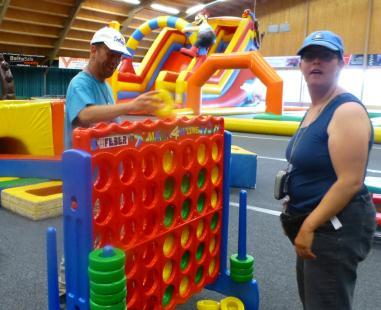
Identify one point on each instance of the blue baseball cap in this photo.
(325, 38)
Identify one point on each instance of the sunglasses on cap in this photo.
(324, 55)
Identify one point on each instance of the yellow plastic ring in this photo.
(208, 305)
(232, 303)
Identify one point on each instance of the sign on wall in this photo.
(283, 61)
(25, 60)
(354, 59)
(374, 60)
(72, 63)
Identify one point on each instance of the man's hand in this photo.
(146, 103)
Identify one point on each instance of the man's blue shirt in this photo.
(83, 90)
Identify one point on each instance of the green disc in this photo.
(108, 289)
(167, 297)
(98, 262)
(105, 300)
(240, 278)
(242, 271)
(107, 276)
(120, 306)
(241, 264)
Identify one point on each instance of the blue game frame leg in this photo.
(78, 229)
(248, 292)
(51, 258)
(242, 225)
(225, 202)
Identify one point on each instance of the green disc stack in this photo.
(241, 270)
(107, 279)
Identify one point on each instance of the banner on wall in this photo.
(349, 59)
(72, 62)
(354, 59)
(374, 60)
(283, 61)
(25, 60)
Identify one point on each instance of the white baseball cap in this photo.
(112, 38)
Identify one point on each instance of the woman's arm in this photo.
(348, 138)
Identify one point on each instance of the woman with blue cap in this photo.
(328, 216)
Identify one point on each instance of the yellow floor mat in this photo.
(37, 201)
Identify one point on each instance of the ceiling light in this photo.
(195, 8)
(199, 7)
(131, 1)
(164, 8)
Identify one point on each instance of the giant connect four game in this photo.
(156, 193)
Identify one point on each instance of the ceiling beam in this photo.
(4, 9)
(29, 29)
(74, 12)
(24, 17)
(113, 8)
(131, 14)
(60, 2)
(26, 44)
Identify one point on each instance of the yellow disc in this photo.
(200, 229)
(184, 285)
(167, 110)
(232, 303)
(214, 199)
(212, 266)
(185, 236)
(214, 174)
(208, 305)
(167, 271)
(212, 244)
(214, 151)
(201, 154)
(168, 245)
(168, 161)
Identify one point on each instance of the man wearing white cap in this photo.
(89, 98)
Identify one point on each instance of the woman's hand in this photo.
(303, 243)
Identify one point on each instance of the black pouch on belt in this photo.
(291, 224)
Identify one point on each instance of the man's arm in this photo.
(145, 103)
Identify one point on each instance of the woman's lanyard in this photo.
(299, 136)
(297, 139)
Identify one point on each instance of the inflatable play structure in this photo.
(31, 127)
(218, 81)
(31, 145)
(31, 138)
(217, 78)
